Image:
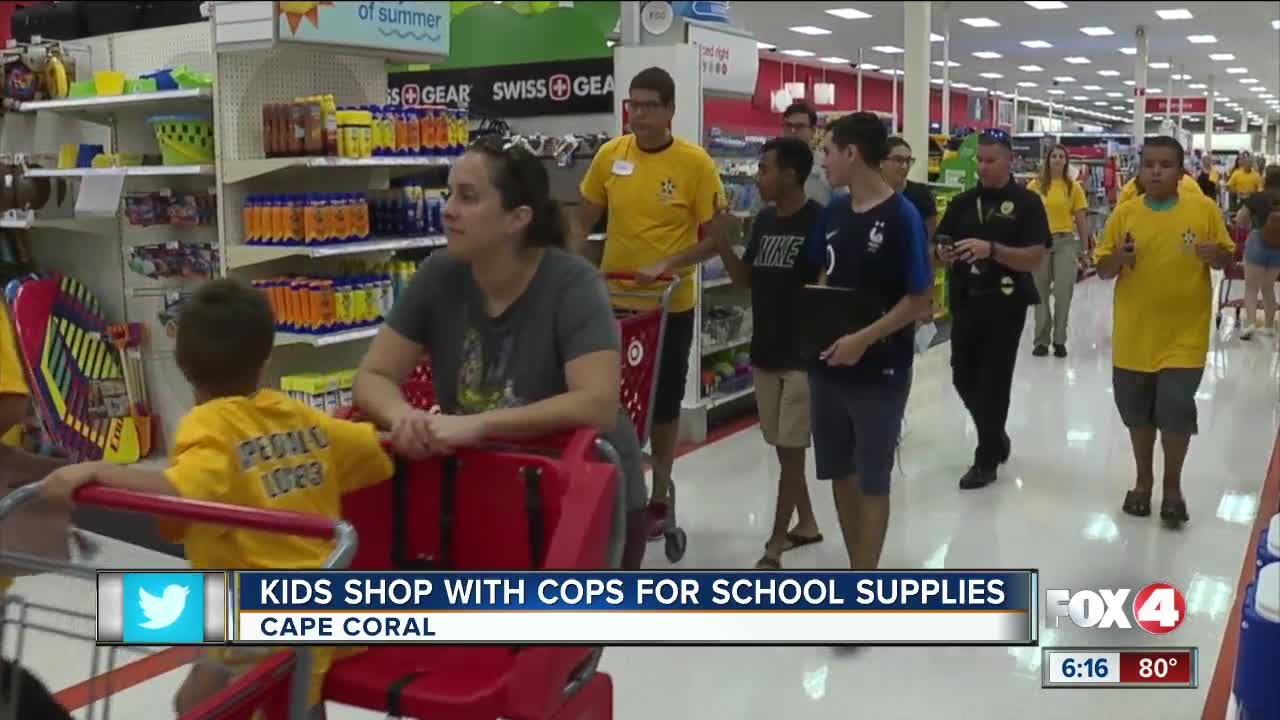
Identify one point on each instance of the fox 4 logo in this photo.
(1158, 608)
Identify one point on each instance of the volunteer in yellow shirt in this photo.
(1186, 184)
(1245, 180)
(245, 446)
(1160, 249)
(1065, 204)
(659, 190)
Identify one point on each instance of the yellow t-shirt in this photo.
(1061, 207)
(1187, 184)
(656, 202)
(12, 379)
(1163, 304)
(268, 451)
(1244, 182)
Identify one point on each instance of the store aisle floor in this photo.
(1056, 507)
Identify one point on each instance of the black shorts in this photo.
(677, 342)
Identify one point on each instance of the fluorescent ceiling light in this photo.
(991, 75)
(1065, 78)
(1077, 60)
(836, 60)
(1222, 57)
(893, 71)
(1036, 44)
(1115, 94)
(935, 37)
(960, 85)
(1047, 4)
(1175, 14)
(1176, 76)
(1158, 65)
(887, 49)
(949, 63)
(809, 30)
(1201, 39)
(1155, 90)
(988, 55)
(848, 14)
(1275, 24)
(936, 81)
(1118, 107)
(1030, 68)
(1056, 91)
(1092, 87)
(1129, 51)
(1097, 31)
(1100, 103)
(1109, 73)
(980, 22)
(1078, 98)
(977, 88)
(1266, 96)
(798, 53)
(1130, 83)
(1129, 101)
(869, 66)
(1237, 70)
(1028, 83)
(764, 46)
(1257, 89)
(1248, 81)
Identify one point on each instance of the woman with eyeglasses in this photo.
(1065, 203)
(522, 337)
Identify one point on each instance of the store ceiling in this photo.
(1248, 31)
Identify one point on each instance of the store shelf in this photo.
(239, 256)
(325, 340)
(721, 347)
(718, 399)
(236, 171)
(109, 104)
(131, 171)
(717, 282)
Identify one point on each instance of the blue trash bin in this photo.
(1258, 655)
(1269, 543)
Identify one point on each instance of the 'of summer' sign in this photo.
(403, 27)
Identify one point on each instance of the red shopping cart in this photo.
(540, 505)
(278, 686)
(1233, 273)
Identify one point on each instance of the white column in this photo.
(893, 107)
(915, 83)
(946, 71)
(1209, 118)
(859, 106)
(1244, 120)
(1182, 84)
(1014, 125)
(1140, 89)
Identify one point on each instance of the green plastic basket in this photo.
(184, 139)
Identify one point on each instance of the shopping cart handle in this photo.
(635, 277)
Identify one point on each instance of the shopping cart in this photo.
(1231, 274)
(278, 686)
(543, 504)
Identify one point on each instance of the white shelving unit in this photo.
(242, 256)
(127, 171)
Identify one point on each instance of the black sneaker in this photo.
(1041, 351)
(1060, 351)
(976, 477)
(1007, 450)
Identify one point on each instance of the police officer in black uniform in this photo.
(990, 239)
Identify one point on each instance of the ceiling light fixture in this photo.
(935, 37)
(1222, 57)
(988, 55)
(960, 85)
(1075, 60)
(1100, 103)
(980, 22)
(809, 30)
(1130, 83)
(1158, 65)
(1064, 79)
(1176, 76)
(1237, 70)
(1078, 98)
(1047, 4)
(887, 49)
(764, 46)
(1030, 68)
(1258, 89)
(1055, 91)
(1201, 39)
(1036, 44)
(1098, 31)
(798, 53)
(991, 75)
(1275, 24)
(949, 63)
(1109, 73)
(848, 14)
(869, 66)
(1174, 14)
(977, 88)
(1129, 51)
(836, 60)
(1248, 81)
(1115, 94)
(1092, 87)
(1155, 90)
(1028, 84)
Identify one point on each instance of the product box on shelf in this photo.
(323, 391)
(360, 297)
(317, 126)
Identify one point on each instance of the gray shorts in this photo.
(856, 429)
(1165, 399)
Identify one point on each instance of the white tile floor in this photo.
(1056, 508)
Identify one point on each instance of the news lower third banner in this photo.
(589, 608)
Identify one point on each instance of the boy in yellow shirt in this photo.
(1160, 249)
(247, 446)
(14, 399)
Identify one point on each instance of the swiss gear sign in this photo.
(571, 87)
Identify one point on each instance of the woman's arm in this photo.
(591, 401)
(390, 359)
(1082, 228)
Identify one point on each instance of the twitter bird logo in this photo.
(168, 608)
(163, 611)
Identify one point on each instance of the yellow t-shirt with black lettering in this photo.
(1163, 304)
(1245, 182)
(268, 451)
(1186, 185)
(1061, 204)
(656, 202)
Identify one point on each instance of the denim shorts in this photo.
(1256, 253)
(856, 429)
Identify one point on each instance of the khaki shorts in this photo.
(782, 397)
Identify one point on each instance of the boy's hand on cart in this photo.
(450, 432)
(410, 434)
(62, 483)
(846, 351)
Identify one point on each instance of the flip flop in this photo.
(795, 541)
(767, 563)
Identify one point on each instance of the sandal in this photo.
(1173, 511)
(1138, 503)
(767, 563)
(794, 541)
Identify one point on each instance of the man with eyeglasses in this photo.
(659, 191)
(800, 121)
(991, 238)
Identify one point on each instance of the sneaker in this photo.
(977, 477)
(1246, 332)
(1060, 350)
(1041, 351)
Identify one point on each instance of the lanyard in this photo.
(983, 217)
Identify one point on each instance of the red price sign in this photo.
(1158, 667)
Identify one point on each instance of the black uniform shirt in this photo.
(1011, 216)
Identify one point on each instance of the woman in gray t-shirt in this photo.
(522, 338)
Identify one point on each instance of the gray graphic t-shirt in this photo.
(482, 363)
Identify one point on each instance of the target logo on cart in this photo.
(1159, 608)
(161, 608)
(635, 352)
